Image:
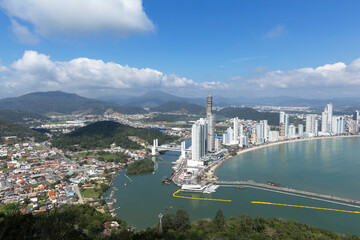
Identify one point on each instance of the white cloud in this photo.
(275, 32)
(22, 33)
(78, 17)
(37, 72)
(327, 76)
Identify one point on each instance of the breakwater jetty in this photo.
(291, 191)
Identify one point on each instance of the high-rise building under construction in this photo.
(211, 124)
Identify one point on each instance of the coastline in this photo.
(209, 172)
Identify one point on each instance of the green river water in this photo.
(329, 166)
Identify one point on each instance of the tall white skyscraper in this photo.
(326, 119)
(292, 131)
(262, 131)
(199, 139)
(310, 123)
(286, 124)
(300, 130)
(211, 124)
(236, 129)
(282, 117)
(338, 125)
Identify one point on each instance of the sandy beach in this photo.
(209, 172)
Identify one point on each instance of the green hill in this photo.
(103, 134)
(20, 117)
(62, 103)
(13, 129)
(180, 107)
(249, 114)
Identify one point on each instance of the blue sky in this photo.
(248, 48)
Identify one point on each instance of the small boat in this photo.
(166, 180)
(125, 184)
(240, 187)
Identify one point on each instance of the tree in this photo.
(102, 202)
(26, 201)
(219, 220)
(168, 222)
(182, 221)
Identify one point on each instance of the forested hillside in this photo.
(13, 129)
(64, 103)
(249, 114)
(103, 134)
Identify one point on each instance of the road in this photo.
(77, 190)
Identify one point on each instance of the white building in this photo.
(326, 119)
(273, 136)
(199, 139)
(292, 131)
(300, 130)
(311, 125)
(236, 130)
(338, 125)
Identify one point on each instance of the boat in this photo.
(166, 180)
(192, 188)
(240, 187)
(210, 189)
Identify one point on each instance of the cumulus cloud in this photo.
(275, 32)
(78, 17)
(37, 72)
(326, 76)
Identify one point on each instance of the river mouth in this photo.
(147, 196)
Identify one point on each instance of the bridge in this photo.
(156, 148)
(294, 192)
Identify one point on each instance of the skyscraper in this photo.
(282, 118)
(286, 124)
(326, 119)
(211, 124)
(199, 136)
(236, 130)
(209, 105)
(310, 124)
(282, 123)
(356, 116)
(300, 130)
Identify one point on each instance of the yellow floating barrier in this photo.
(298, 206)
(203, 199)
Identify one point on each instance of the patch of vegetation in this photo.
(67, 222)
(20, 117)
(84, 222)
(89, 193)
(140, 167)
(118, 157)
(13, 129)
(171, 118)
(250, 114)
(103, 134)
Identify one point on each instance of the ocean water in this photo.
(330, 166)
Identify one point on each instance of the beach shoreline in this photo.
(210, 172)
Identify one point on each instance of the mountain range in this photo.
(62, 103)
(57, 102)
(154, 99)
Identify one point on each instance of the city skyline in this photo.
(238, 49)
